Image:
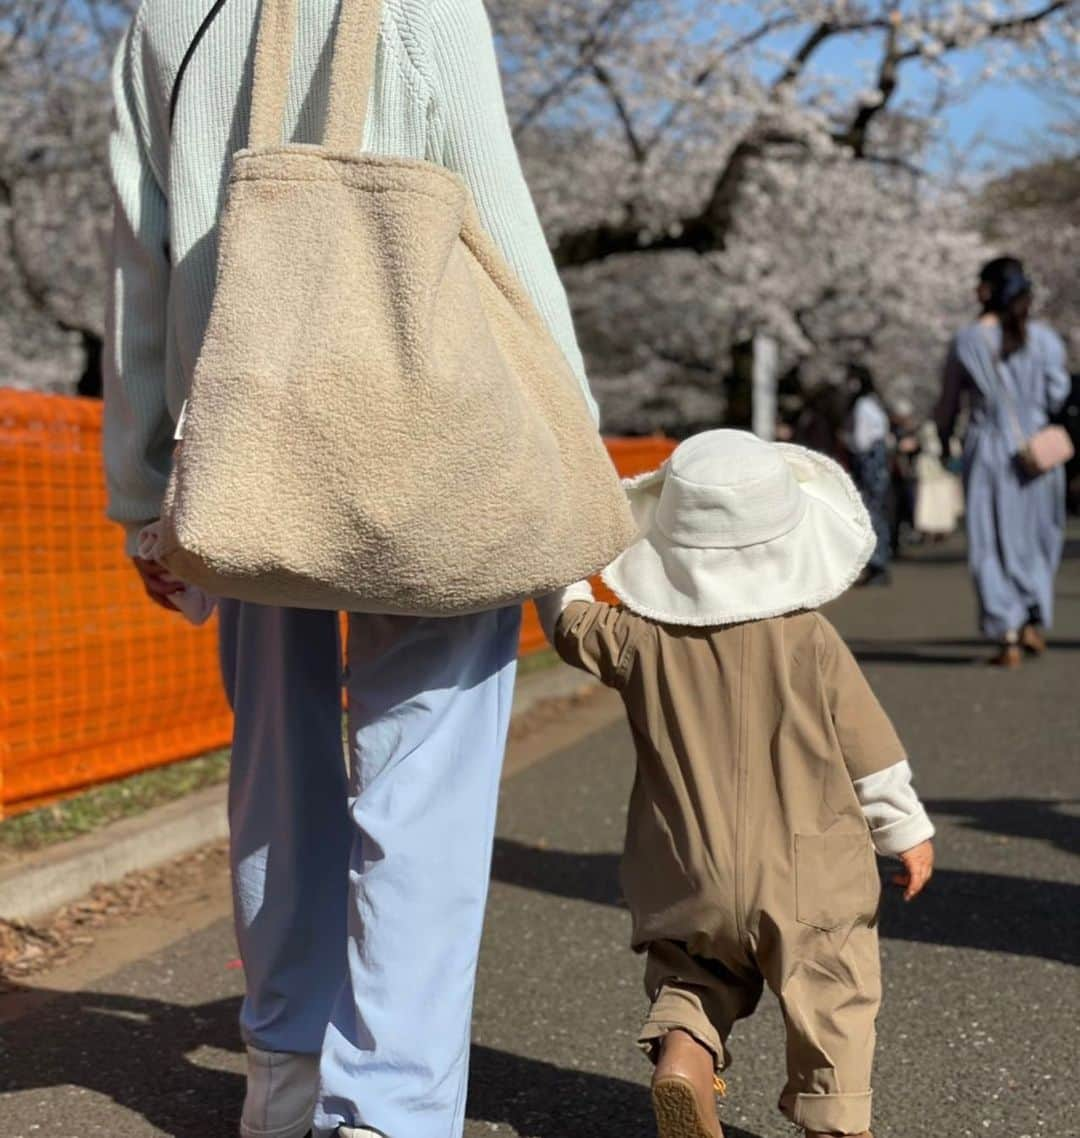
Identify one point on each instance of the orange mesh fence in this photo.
(95, 681)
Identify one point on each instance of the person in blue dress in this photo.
(1011, 373)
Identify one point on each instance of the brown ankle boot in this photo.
(1009, 657)
(1032, 640)
(684, 1089)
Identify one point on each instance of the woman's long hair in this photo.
(860, 382)
(1008, 297)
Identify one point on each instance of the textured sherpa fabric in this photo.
(379, 418)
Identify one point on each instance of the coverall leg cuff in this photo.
(653, 1032)
(829, 1114)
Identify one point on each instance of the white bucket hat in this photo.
(736, 529)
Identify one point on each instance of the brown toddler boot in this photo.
(823, 1134)
(684, 1089)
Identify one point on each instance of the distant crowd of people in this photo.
(911, 484)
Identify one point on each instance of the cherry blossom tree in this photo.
(659, 109)
(54, 120)
(707, 174)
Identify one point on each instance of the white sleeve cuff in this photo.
(132, 537)
(892, 810)
(552, 605)
(903, 835)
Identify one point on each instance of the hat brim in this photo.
(810, 565)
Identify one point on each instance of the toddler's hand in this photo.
(918, 869)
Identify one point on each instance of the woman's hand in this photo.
(158, 582)
(918, 869)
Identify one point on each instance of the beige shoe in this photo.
(281, 1092)
(684, 1089)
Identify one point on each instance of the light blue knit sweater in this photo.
(437, 96)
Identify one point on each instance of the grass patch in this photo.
(92, 809)
(537, 662)
(97, 807)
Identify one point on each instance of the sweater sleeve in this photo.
(473, 139)
(897, 819)
(1056, 370)
(137, 424)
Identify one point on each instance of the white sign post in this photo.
(763, 401)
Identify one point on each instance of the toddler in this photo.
(767, 773)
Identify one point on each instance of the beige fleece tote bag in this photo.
(379, 420)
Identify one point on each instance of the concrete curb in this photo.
(45, 881)
(39, 883)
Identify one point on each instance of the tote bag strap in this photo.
(352, 73)
(997, 364)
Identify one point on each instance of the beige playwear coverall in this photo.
(748, 859)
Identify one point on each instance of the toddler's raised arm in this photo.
(553, 605)
(598, 638)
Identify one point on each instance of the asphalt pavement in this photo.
(978, 1034)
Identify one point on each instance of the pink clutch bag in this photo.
(1043, 451)
(1046, 450)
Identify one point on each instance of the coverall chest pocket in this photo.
(836, 879)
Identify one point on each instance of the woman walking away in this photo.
(868, 445)
(1011, 371)
(358, 907)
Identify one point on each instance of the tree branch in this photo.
(802, 57)
(589, 51)
(857, 133)
(704, 231)
(604, 78)
(706, 73)
(995, 28)
(888, 77)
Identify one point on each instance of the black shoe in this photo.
(878, 578)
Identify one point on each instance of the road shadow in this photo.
(581, 876)
(955, 553)
(991, 912)
(1040, 818)
(950, 653)
(922, 653)
(132, 1050)
(143, 1055)
(932, 558)
(988, 911)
